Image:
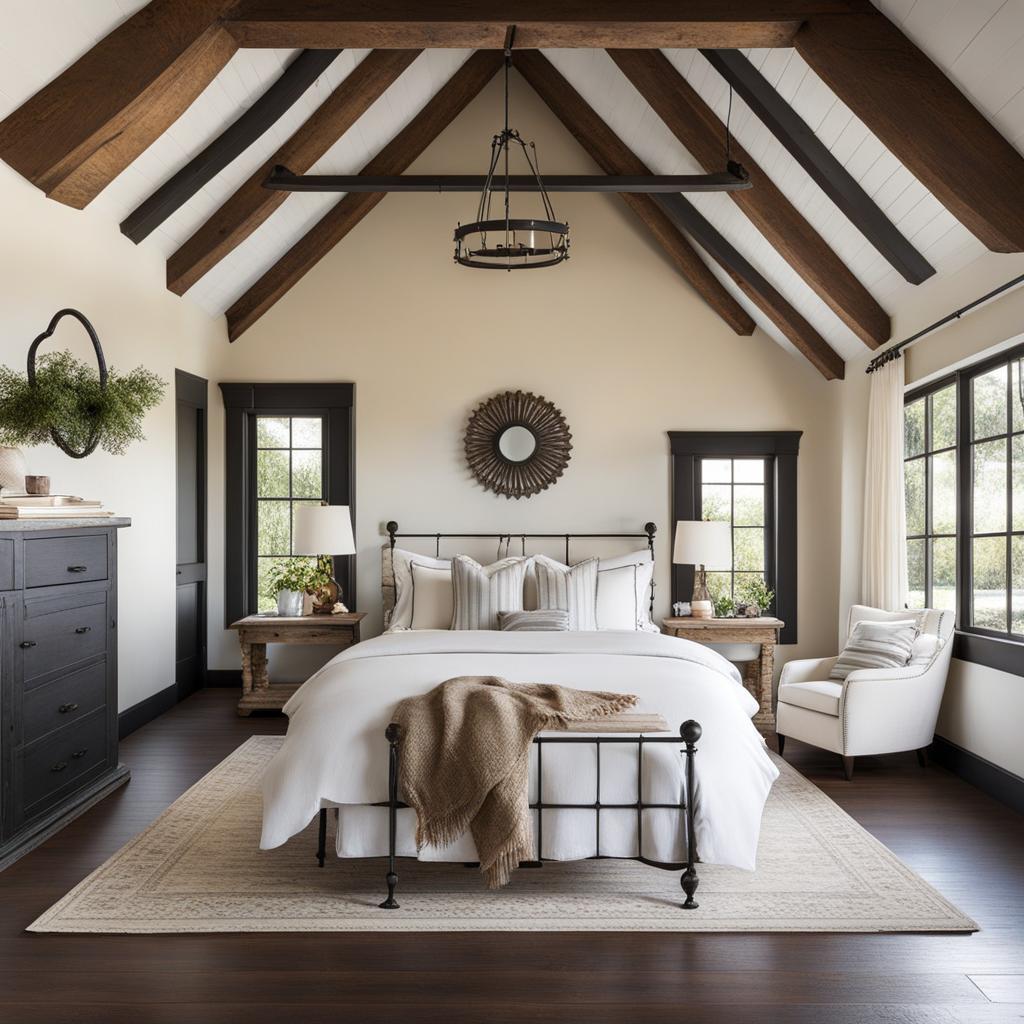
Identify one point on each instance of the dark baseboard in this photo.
(146, 710)
(1004, 786)
(224, 677)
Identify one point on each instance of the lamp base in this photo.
(702, 609)
(326, 598)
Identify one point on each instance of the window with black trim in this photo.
(747, 479)
(287, 445)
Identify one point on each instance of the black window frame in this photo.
(975, 644)
(243, 402)
(780, 450)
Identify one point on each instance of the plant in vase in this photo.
(293, 579)
(756, 594)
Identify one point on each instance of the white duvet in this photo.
(335, 751)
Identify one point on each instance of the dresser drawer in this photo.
(53, 560)
(64, 701)
(50, 767)
(6, 564)
(58, 633)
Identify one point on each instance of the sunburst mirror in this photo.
(517, 444)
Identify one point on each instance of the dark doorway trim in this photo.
(336, 402)
(781, 448)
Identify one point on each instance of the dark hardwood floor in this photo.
(967, 845)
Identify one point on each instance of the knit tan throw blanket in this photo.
(465, 757)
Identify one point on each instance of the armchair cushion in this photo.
(875, 645)
(820, 696)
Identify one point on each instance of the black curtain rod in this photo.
(893, 353)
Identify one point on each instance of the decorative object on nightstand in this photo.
(37, 485)
(701, 543)
(256, 631)
(757, 677)
(324, 530)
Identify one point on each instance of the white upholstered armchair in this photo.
(874, 711)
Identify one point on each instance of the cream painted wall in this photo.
(614, 337)
(51, 257)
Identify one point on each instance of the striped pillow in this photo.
(876, 645)
(542, 620)
(572, 588)
(481, 591)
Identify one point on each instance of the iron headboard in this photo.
(650, 529)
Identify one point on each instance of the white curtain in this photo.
(884, 565)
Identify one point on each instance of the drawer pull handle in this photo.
(27, 643)
(65, 708)
(84, 629)
(80, 753)
(78, 568)
(59, 766)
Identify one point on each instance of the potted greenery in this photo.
(78, 408)
(756, 595)
(292, 579)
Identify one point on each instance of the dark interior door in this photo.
(190, 657)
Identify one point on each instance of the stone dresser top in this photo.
(85, 522)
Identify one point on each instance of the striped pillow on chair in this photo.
(876, 645)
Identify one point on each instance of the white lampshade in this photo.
(323, 530)
(703, 543)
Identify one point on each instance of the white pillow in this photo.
(433, 597)
(402, 616)
(924, 649)
(624, 592)
(482, 591)
(571, 588)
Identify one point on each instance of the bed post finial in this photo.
(691, 732)
(651, 529)
(392, 528)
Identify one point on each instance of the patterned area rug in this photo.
(198, 868)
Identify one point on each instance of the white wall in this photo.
(51, 257)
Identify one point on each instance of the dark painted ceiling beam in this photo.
(818, 161)
(231, 143)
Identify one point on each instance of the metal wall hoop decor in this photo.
(517, 444)
(94, 435)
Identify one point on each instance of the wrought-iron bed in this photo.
(689, 733)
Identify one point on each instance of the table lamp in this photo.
(701, 543)
(324, 531)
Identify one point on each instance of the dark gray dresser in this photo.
(58, 675)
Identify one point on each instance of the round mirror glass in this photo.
(517, 444)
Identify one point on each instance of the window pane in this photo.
(944, 573)
(266, 596)
(989, 584)
(943, 471)
(748, 505)
(716, 501)
(1016, 398)
(748, 471)
(913, 428)
(719, 584)
(989, 400)
(307, 476)
(306, 433)
(272, 535)
(1017, 608)
(913, 483)
(915, 573)
(989, 495)
(272, 474)
(748, 550)
(1018, 483)
(742, 578)
(271, 431)
(716, 471)
(944, 418)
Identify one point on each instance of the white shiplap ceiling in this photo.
(978, 43)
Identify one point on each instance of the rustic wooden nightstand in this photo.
(758, 674)
(256, 631)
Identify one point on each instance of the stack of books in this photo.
(50, 506)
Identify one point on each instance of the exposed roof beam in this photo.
(676, 212)
(232, 142)
(927, 123)
(699, 129)
(251, 203)
(394, 158)
(284, 180)
(75, 135)
(819, 162)
(608, 152)
(539, 23)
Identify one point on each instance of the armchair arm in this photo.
(806, 670)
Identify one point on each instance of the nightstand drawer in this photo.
(51, 561)
(59, 632)
(64, 701)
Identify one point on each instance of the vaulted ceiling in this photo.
(872, 167)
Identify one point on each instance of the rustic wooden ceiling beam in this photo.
(300, 74)
(700, 130)
(924, 120)
(539, 23)
(819, 162)
(75, 135)
(394, 158)
(252, 204)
